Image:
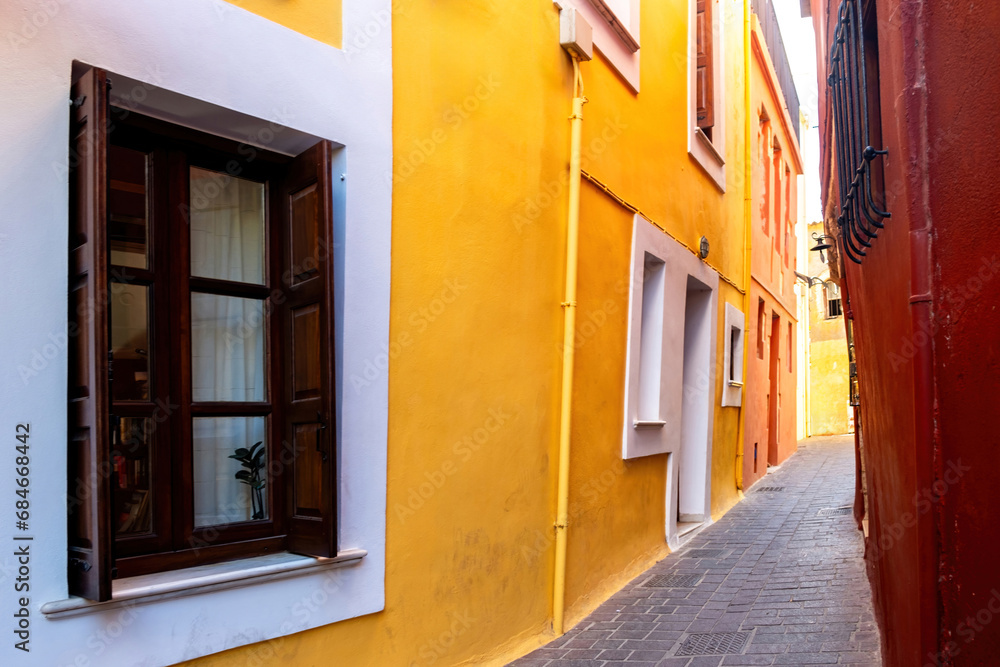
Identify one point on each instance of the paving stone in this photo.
(797, 580)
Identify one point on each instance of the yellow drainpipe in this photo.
(747, 209)
(569, 328)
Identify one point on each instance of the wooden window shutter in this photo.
(89, 506)
(309, 441)
(705, 85)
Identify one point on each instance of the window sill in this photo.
(620, 28)
(201, 579)
(704, 152)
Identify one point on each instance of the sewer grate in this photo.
(703, 553)
(714, 643)
(674, 581)
(770, 489)
(835, 511)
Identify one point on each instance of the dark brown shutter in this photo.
(89, 431)
(705, 96)
(307, 339)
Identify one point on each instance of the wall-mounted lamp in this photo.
(823, 242)
(703, 248)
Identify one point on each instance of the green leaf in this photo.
(242, 452)
(254, 448)
(259, 485)
(243, 475)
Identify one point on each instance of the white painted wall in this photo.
(212, 51)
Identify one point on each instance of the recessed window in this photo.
(706, 89)
(760, 328)
(789, 347)
(833, 304)
(651, 339)
(732, 387)
(202, 384)
(705, 64)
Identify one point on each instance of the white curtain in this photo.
(227, 338)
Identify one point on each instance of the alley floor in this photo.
(779, 580)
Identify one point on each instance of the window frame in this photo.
(732, 385)
(96, 556)
(832, 293)
(616, 39)
(174, 151)
(708, 152)
(642, 436)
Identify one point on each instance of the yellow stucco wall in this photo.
(482, 93)
(829, 366)
(320, 19)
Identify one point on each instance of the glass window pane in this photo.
(226, 489)
(227, 348)
(227, 227)
(128, 213)
(130, 460)
(129, 342)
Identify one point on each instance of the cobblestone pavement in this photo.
(789, 579)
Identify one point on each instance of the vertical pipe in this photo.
(569, 329)
(747, 209)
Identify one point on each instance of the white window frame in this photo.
(642, 436)
(345, 99)
(709, 154)
(617, 37)
(732, 390)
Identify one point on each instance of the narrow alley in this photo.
(779, 580)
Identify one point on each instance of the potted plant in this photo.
(252, 461)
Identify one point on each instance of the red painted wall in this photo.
(926, 332)
(963, 142)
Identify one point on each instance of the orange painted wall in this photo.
(776, 164)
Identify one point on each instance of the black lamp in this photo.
(822, 244)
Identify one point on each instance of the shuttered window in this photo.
(201, 369)
(704, 79)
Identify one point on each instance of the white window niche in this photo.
(671, 347)
(709, 154)
(616, 33)
(732, 382)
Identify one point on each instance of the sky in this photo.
(800, 46)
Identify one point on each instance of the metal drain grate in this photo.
(770, 489)
(714, 643)
(674, 581)
(835, 511)
(703, 553)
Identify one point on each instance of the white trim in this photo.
(617, 39)
(200, 580)
(679, 264)
(709, 155)
(732, 394)
(208, 51)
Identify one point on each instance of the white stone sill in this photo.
(704, 152)
(201, 579)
